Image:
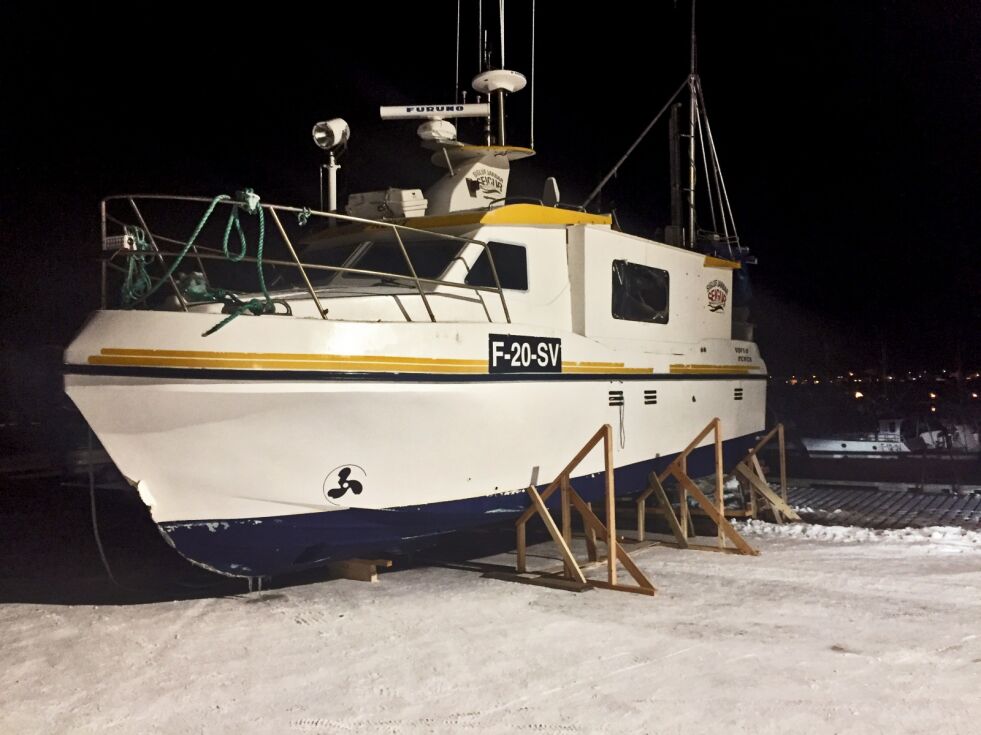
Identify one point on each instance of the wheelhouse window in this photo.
(430, 258)
(511, 262)
(640, 293)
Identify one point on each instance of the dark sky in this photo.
(848, 133)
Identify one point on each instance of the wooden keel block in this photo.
(358, 570)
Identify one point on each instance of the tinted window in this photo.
(430, 258)
(640, 293)
(511, 263)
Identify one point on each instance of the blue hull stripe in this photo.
(278, 544)
(326, 375)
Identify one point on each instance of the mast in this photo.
(692, 119)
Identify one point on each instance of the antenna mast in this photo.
(692, 119)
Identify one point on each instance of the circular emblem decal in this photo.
(344, 479)
(718, 294)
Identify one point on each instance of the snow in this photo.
(828, 630)
(928, 540)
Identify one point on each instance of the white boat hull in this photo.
(255, 452)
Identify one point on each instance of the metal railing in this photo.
(201, 253)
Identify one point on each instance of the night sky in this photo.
(848, 134)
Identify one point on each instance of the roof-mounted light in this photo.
(331, 134)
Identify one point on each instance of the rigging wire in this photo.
(95, 518)
(716, 170)
(637, 142)
(715, 156)
(705, 165)
(456, 89)
(532, 89)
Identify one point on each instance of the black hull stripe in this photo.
(225, 374)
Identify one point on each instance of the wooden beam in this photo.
(642, 516)
(720, 520)
(616, 552)
(720, 499)
(762, 476)
(522, 563)
(539, 505)
(611, 506)
(590, 533)
(681, 458)
(767, 492)
(662, 497)
(567, 472)
(781, 442)
(541, 580)
(566, 519)
(623, 587)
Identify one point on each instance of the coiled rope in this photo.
(138, 286)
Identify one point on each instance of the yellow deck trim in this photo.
(492, 149)
(713, 262)
(511, 214)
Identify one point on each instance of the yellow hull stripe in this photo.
(303, 361)
(709, 369)
(366, 363)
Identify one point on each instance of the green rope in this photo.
(137, 283)
(252, 306)
(138, 286)
(141, 261)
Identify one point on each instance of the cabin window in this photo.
(511, 262)
(640, 293)
(430, 258)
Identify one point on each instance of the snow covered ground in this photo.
(825, 632)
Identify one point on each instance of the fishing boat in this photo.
(408, 367)
(904, 449)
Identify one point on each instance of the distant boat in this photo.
(911, 449)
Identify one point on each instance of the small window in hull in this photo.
(640, 293)
(511, 263)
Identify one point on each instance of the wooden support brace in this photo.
(777, 516)
(566, 521)
(563, 537)
(616, 552)
(759, 486)
(591, 552)
(720, 520)
(554, 485)
(782, 444)
(662, 498)
(538, 504)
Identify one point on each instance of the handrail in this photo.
(201, 252)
